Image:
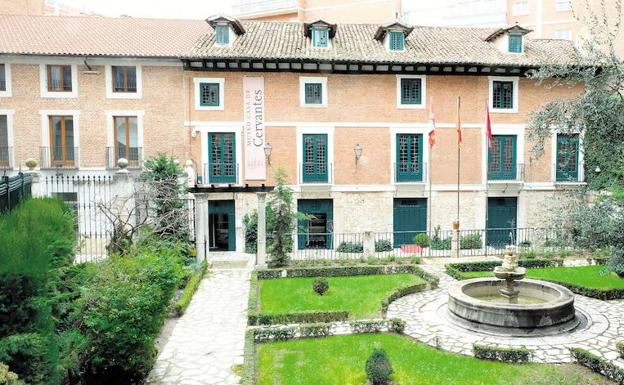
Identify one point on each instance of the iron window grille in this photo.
(502, 158)
(502, 94)
(411, 91)
(209, 95)
(567, 163)
(409, 166)
(313, 93)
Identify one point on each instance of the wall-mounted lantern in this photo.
(267, 152)
(358, 152)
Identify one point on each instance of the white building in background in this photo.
(455, 12)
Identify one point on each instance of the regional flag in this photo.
(459, 130)
(432, 125)
(488, 126)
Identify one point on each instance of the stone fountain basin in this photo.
(556, 307)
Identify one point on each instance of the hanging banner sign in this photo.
(253, 103)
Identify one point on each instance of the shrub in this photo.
(397, 325)
(383, 245)
(191, 287)
(368, 326)
(422, 240)
(31, 356)
(495, 353)
(253, 318)
(320, 286)
(7, 377)
(619, 346)
(125, 308)
(598, 365)
(616, 262)
(470, 241)
(283, 224)
(378, 368)
(441, 244)
(350, 247)
(527, 254)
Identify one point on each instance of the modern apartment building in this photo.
(336, 11)
(343, 108)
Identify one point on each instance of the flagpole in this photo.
(458, 154)
(487, 184)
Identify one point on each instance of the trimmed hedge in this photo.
(619, 346)
(602, 294)
(455, 269)
(189, 290)
(295, 318)
(598, 365)
(495, 353)
(249, 359)
(401, 292)
(336, 271)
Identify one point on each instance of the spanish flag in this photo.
(459, 130)
(488, 126)
(432, 125)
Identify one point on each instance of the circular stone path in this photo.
(426, 322)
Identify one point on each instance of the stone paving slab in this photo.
(425, 320)
(208, 340)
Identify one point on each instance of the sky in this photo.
(176, 9)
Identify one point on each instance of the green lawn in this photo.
(340, 360)
(359, 295)
(594, 277)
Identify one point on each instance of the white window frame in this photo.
(43, 81)
(205, 156)
(418, 130)
(423, 92)
(108, 71)
(110, 126)
(7, 76)
(503, 129)
(303, 80)
(563, 5)
(518, 10)
(553, 160)
(327, 130)
(565, 31)
(515, 80)
(45, 128)
(10, 135)
(197, 82)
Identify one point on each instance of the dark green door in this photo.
(317, 232)
(314, 166)
(222, 226)
(502, 221)
(410, 218)
(221, 149)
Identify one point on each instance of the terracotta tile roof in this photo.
(99, 36)
(355, 42)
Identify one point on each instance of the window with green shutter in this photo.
(409, 167)
(411, 91)
(502, 94)
(567, 162)
(320, 37)
(313, 93)
(223, 34)
(396, 41)
(222, 157)
(502, 158)
(314, 167)
(515, 43)
(209, 95)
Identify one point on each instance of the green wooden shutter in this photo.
(397, 41)
(411, 91)
(567, 162)
(515, 43)
(209, 94)
(502, 94)
(320, 37)
(223, 34)
(314, 166)
(313, 93)
(222, 157)
(409, 149)
(502, 158)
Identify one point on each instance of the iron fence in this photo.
(89, 196)
(13, 190)
(438, 243)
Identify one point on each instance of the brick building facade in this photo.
(344, 110)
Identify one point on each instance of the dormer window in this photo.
(393, 36)
(515, 43)
(396, 41)
(320, 33)
(223, 26)
(509, 40)
(320, 37)
(222, 33)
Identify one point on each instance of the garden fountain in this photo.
(511, 304)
